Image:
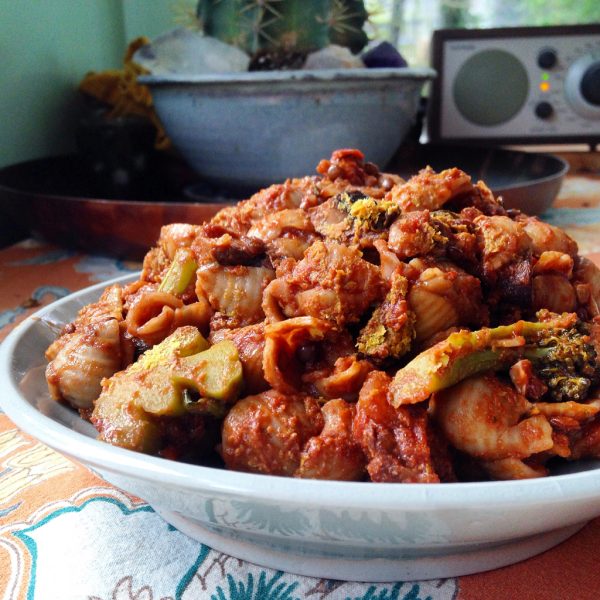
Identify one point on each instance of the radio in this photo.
(521, 85)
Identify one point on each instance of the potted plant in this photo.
(287, 96)
(285, 31)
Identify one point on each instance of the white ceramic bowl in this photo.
(354, 531)
(248, 130)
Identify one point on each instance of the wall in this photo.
(46, 47)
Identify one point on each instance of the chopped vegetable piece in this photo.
(123, 412)
(120, 423)
(184, 341)
(167, 381)
(180, 273)
(149, 380)
(194, 404)
(467, 353)
(214, 374)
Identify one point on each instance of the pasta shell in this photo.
(434, 312)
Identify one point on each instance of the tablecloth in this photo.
(67, 534)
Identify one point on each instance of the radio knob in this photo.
(544, 110)
(590, 84)
(546, 59)
(582, 86)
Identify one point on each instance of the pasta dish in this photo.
(349, 325)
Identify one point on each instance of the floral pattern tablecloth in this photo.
(67, 534)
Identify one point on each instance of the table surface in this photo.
(66, 533)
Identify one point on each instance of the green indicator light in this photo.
(545, 76)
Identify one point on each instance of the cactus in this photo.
(346, 22)
(235, 22)
(297, 25)
(284, 25)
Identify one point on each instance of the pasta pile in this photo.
(351, 326)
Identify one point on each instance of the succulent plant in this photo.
(286, 25)
(346, 22)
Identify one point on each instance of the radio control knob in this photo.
(590, 84)
(582, 86)
(546, 59)
(544, 110)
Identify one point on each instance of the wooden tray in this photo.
(58, 199)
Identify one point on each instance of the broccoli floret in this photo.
(558, 347)
(365, 212)
(379, 341)
(391, 329)
(566, 361)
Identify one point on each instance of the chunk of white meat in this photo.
(545, 237)
(489, 420)
(501, 241)
(430, 190)
(85, 358)
(266, 433)
(553, 292)
(89, 349)
(334, 454)
(586, 280)
(512, 468)
(332, 282)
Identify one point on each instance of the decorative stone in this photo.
(383, 55)
(186, 52)
(333, 57)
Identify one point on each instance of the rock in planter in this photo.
(383, 55)
(333, 57)
(182, 51)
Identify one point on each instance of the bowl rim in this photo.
(295, 75)
(411, 497)
(560, 165)
(562, 168)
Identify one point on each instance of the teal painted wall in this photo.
(46, 47)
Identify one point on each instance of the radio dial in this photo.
(582, 86)
(590, 84)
